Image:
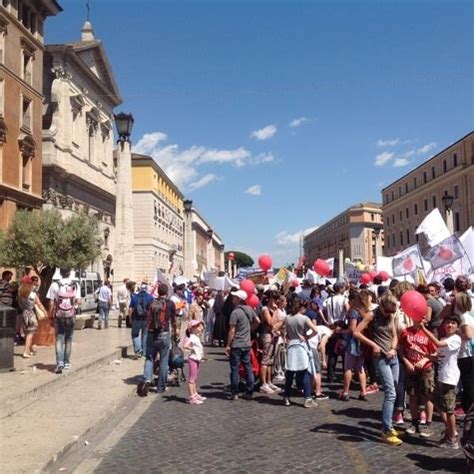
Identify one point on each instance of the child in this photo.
(193, 343)
(415, 349)
(448, 377)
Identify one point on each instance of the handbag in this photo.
(40, 313)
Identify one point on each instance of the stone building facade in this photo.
(21, 103)
(78, 141)
(356, 231)
(408, 200)
(158, 221)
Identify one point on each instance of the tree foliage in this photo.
(241, 258)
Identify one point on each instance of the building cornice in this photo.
(20, 197)
(23, 83)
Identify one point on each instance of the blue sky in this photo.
(274, 116)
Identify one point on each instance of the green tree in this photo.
(241, 258)
(44, 241)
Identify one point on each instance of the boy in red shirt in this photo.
(415, 349)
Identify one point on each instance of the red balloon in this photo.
(248, 286)
(296, 283)
(372, 274)
(414, 305)
(265, 262)
(253, 301)
(321, 267)
(365, 278)
(384, 276)
(231, 255)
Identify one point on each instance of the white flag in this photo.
(434, 227)
(407, 262)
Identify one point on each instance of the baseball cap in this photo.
(240, 294)
(143, 287)
(195, 322)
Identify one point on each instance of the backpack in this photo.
(467, 438)
(140, 308)
(157, 317)
(64, 303)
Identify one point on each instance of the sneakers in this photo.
(67, 366)
(363, 398)
(286, 402)
(321, 396)
(279, 378)
(59, 369)
(413, 428)
(391, 439)
(195, 401)
(233, 396)
(344, 397)
(448, 443)
(200, 397)
(274, 388)
(266, 389)
(26, 355)
(394, 432)
(247, 396)
(142, 388)
(310, 403)
(398, 418)
(425, 430)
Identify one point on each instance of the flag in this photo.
(160, 278)
(407, 262)
(330, 262)
(281, 276)
(434, 227)
(445, 252)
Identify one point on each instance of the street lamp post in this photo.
(447, 200)
(189, 244)
(210, 248)
(376, 235)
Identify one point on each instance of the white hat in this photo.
(240, 294)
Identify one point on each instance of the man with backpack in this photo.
(139, 305)
(63, 298)
(161, 324)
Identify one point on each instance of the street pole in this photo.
(449, 220)
(341, 263)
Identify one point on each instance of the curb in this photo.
(33, 396)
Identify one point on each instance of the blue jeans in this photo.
(388, 370)
(139, 332)
(104, 313)
(238, 355)
(155, 344)
(302, 377)
(64, 332)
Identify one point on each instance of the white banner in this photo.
(434, 228)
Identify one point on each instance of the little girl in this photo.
(193, 343)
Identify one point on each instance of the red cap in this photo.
(27, 280)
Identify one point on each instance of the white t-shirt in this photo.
(334, 306)
(104, 294)
(448, 370)
(197, 349)
(466, 346)
(322, 331)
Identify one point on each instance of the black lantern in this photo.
(447, 200)
(188, 205)
(221, 247)
(124, 124)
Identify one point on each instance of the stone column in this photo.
(124, 265)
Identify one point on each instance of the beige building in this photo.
(203, 248)
(21, 103)
(356, 231)
(408, 200)
(78, 140)
(158, 220)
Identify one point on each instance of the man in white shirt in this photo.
(123, 299)
(104, 296)
(61, 312)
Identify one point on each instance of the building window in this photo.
(417, 238)
(393, 195)
(415, 209)
(2, 97)
(425, 204)
(27, 67)
(399, 191)
(456, 192)
(408, 236)
(414, 182)
(424, 177)
(386, 198)
(393, 218)
(401, 238)
(445, 166)
(372, 217)
(457, 226)
(455, 159)
(407, 212)
(26, 114)
(400, 214)
(434, 202)
(433, 172)
(406, 188)
(393, 241)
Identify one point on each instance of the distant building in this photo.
(78, 162)
(410, 198)
(357, 231)
(158, 220)
(21, 103)
(203, 248)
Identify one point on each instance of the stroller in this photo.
(175, 364)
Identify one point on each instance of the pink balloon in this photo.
(384, 276)
(248, 286)
(265, 262)
(253, 301)
(372, 274)
(321, 267)
(414, 305)
(365, 278)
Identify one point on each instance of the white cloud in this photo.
(383, 158)
(399, 162)
(183, 167)
(204, 181)
(295, 123)
(264, 133)
(255, 190)
(388, 142)
(427, 148)
(285, 239)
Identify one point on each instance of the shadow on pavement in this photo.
(48, 367)
(356, 412)
(347, 432)
(439, 464)
(133, 380)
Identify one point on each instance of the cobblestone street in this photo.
(263, 436)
